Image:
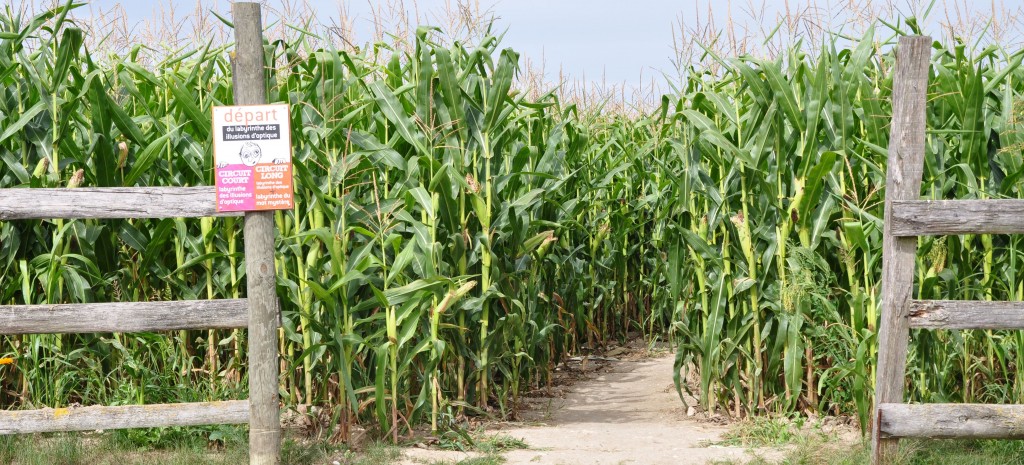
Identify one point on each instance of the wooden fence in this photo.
(258, 312)
(906, 217)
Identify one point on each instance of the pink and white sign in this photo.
(252, 155)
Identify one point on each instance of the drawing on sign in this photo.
(252, 152)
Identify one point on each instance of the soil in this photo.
(621, 408)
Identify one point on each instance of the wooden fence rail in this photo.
(949, 421)
(124, 317)
(970, 314)
(124, 416)
(110, 203)
(951, 217)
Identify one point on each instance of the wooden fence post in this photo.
(264, 406)
(903, 182)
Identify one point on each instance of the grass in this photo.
(500, 443)
(305, 452)
(172, 446)
(489, 459)
(462, 440)
(109, 449)
(913, 452)
(805, 444)
(490, 446)
(373, 454)
(813, 446)
(385, 454)
(762, 432)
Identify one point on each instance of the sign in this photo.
(252, 156)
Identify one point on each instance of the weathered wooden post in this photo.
(264, 407)
(903, 182)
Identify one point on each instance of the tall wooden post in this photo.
(264, 406)
(903, 182)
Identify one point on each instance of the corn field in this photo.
(454, 239)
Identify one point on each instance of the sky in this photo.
(621, 41)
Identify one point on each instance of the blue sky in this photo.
(618, 40)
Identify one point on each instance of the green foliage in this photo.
(762, 431)
(500, 443)
(826, 450)
(196, 437)
(483, 460)
(109, 449)
(374, 454)
(776, 228)
(453, 239)
(987, 452)
(813, 445)
(300, 453)
(462, 440)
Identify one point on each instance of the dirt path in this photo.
(628, 413)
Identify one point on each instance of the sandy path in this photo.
(626, 414)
